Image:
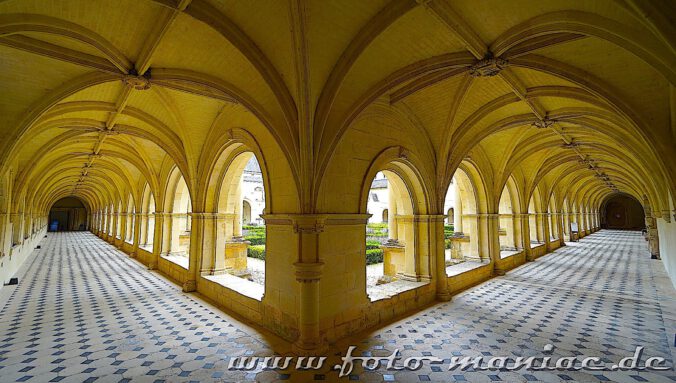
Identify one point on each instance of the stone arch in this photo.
(622, 211)
(509, 212)
(405, 255)
(131, 219)
(147, 234)
(176, 219)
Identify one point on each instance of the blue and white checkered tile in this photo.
(85, 312)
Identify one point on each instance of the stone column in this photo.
(136, 239)
(122, 218)
(113, 230)
(439, 246)
(17, 228)
(28, 225)
(560, 223)
(546, 231)
(167, 238)
(202, 235)
(524, 220)
(4, 233)
(158, 240)
(489, 225)
(308, 274)
(143, 231)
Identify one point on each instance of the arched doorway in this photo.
(68, 214)
(622, 212)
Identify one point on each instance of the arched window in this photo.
(509, 231)
(462, 237)
(553, 225)
(118, 228)
(131, 217)
(147, 217)
(176, 235)
(566, 220)
(390, 247)
(239, 257)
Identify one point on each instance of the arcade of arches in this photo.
(549, 116)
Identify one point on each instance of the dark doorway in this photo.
(623, 212)
(68, 214)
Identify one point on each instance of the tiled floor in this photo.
(84, 312)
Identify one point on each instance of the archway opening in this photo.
(68, 214)
(147, 235)
(461, 238)
(566, 221)
(553, 225)
(535, 224)
(239, 257)
(178, 223)
(622, 212)
(131, 220)
(509, 243)
(118, 221)
(390, 246)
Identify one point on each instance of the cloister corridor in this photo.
(84, 311)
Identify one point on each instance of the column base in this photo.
(220, 271)
(152, 266)
(444, 297)
(309, 348)
(189, 286)
(132, 255)
(498, 272)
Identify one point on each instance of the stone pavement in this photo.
(85, 312)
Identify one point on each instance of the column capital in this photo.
(666, 215)
(430, 217)
(211, 215)
(301, 223)
(308, 272)
(495, 216)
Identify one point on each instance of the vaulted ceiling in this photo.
(98, 97)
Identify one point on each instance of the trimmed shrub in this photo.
(371, 245)
(377, 226)
(448, 243)
(374, 256)
(257, 251)
(255, 238)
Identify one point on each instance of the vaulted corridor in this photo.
(84, 311)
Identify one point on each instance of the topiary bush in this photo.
(448, 231)
(256, 251)
(371, 245)
(374, 256)
(255, 238)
